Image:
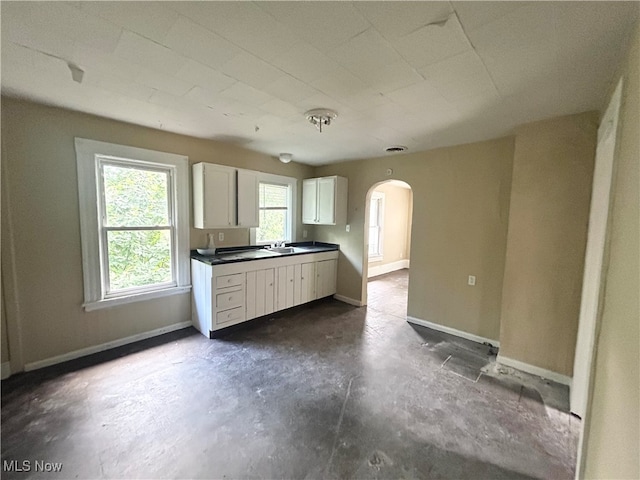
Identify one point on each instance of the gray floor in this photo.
(321, 391)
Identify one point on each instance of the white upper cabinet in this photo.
(248, 199)
(324, 201)
(224, 197)
(310, 200)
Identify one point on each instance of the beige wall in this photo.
(396, 239)
(4, 346)
(460, 213)
(548, 217)
(40, 165)
(612, 426)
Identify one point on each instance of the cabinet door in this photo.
(326, 201)
(219, 198)
(297, 284)
(308, 282)
(247, 198)
(252, 295)
(285, 287)
(325, 278)
(310, 200)
(260, 293)
(269, 291)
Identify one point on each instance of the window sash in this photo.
(287, 209)
(105, 270)
(375, 225)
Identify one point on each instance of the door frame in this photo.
(365, 253)
(595, 266)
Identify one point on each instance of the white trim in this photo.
(138, 297)
(387, 268)
(595, 257)
(6, 370)
(588, 382)
(83, 352)
(540, 372)
(349, 300)
(453, 331)
(87, 154)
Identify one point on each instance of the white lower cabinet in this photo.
(224, 295)
(326, 278)
(260, 293)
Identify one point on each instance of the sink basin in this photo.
(247, 254)
(282, 249)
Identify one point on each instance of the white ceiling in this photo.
(420, 74)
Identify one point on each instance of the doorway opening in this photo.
(387, 247)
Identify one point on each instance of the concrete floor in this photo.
(320, 391)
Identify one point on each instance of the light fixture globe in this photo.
(320, 117)
(286, 157)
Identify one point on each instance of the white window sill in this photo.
(375, 258)
(138, 297)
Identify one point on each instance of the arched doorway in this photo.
(387, 247)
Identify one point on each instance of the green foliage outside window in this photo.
(136, 197)
(274, 204)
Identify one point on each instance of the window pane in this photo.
(273, 195)
(374, 239)
(139, 258)
(273, 226)
(135, 197)
(373, 212)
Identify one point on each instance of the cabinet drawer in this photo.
(234, 315)
(228, 300)
(230, 280)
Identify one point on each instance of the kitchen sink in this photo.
(248, 254)
(282, 249)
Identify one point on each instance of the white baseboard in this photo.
(387, 268)
(349, 300)
(453, 331)
(104, 346)
(540, 372)
(6, 370)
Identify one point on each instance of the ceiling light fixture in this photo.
(285, 157)
(320, 117)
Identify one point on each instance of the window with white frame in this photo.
(376, 220)
(134, 206)
(276, 209)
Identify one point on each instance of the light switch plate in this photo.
(348, 228)
(472, 280)
(221, 236)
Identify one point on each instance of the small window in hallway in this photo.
(376, 220)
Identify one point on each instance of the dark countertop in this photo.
(254, 252)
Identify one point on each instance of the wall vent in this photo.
(395, 149)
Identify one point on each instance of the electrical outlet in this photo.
(304, 234)
(348, 228)
(472, 280)
(221, 236)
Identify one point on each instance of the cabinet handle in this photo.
(230, 297)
